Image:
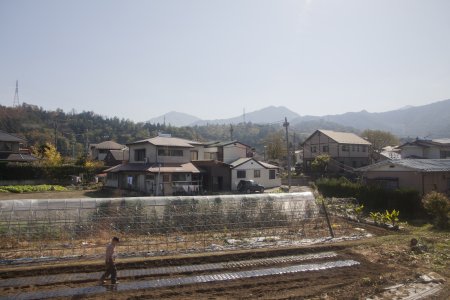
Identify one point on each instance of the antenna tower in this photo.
(16, 95)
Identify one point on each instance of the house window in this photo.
(210, 156)
(357, 148)
(170, 152)
(166, 177)
(325, 149)
(194, 155)
(272, 174)
(445, 154)
(313, 149)
(353, 148)
(345, 148)
(241, 174)
(364, 148)
(150, 177)
(139, 154)
(257, 173)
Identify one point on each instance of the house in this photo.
(216, 175)
(158, 166)
(424, 175)
(421, 148)
(226, 152)
(100, 150)
(115, 157)
(249, 168)
(347, 150)
(12, 149)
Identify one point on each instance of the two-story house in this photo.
(166, 165)
(158, 166)
(345, 149)
(226, 152)
(428, 149)
(12, 149)
(100, 150)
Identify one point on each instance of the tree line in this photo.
(71, 133)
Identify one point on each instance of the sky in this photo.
(213, 59)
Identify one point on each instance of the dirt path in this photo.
(368, 278)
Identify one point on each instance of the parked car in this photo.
(248, 186)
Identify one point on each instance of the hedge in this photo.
(374, 198)
(30, 172)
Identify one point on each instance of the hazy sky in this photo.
(141, 59)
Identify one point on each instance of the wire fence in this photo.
(161, 225)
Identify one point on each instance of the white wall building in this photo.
(265, 174)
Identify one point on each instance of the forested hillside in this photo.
(73, 131)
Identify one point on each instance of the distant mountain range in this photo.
(432, 120)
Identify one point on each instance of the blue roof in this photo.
(424, 165)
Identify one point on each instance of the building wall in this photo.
(422, 182)
(408, 151)
(233, 152)
(152, 154)
(250, 167)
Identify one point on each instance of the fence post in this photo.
(328, 219)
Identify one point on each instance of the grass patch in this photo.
(31, 188)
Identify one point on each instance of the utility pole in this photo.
(231, 132)
(286, 124)
(55, 125)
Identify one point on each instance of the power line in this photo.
(16, 95)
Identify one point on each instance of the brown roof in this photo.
(344, 137)
(108, 145)
(167, 141)
(120, 154)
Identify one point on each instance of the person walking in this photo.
(110, 262)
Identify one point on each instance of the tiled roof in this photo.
(423, 165)
(108, 145)
(165, 168)
(268, 166)
(225, 143)
(17, 157)
(240, 161)
(120, 154)
(445, 141)
(6, 137)
(345, 137)
(243, 160)
(428, 143)
(167, 141)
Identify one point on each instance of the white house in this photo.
(250, 169)
(429, 149)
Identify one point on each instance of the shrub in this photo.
(374, 198)
(438, 206)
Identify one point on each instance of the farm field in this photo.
(379, 265)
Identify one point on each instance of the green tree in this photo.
(320, 163)
(437, 205)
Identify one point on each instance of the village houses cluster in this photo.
(166, 165)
